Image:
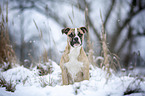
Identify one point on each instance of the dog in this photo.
(74, 63)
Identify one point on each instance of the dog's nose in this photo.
(76, 39)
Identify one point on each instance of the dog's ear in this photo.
(84, 29)
(65, 30)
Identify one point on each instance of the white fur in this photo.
(74, 66)
(76, 32)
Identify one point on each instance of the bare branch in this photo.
(109, 12)
(129, 35)
(117, 33)
(90, 23)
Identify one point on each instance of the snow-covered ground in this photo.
(29, 83)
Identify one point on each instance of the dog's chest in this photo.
(74, 66)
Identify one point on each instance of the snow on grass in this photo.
(29, 83)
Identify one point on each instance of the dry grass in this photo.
(89, 47)
(134, 86)
(44, 68)
(7, 54)
(45, 65)
(9, 86)
(111, 61)
(44, 82)
(105, 50)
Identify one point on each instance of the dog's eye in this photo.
(80, 35)
(71, 35)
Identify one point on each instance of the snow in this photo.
(29, 83)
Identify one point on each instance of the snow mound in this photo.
(29, 83)
(18, 75)
(27, 77)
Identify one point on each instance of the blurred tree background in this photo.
(35, 27)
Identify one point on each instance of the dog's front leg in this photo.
(65, 76)
(86, 74)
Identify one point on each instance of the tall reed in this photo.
(7, 54)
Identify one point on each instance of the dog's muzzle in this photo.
(75, 42)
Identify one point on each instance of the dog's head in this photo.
(75, 35)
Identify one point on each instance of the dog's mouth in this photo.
(75, 44)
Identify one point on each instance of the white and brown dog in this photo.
(74, 62)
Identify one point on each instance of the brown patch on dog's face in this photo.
(75, 35)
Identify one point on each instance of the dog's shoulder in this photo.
(83, 57)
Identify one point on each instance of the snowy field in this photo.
(29, 83)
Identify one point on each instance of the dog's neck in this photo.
(74, 53)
